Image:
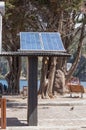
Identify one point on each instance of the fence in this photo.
(3, 113)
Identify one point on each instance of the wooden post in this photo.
(32, 91)
(3, 113)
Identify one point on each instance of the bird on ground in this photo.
(72, 108)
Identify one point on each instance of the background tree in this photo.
(64, 18)
(13, 24)
(42, 15)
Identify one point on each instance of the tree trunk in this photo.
(74, 65)
(43, 79)
(51, 76)
(13, 75)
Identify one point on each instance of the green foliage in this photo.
(9, 6)
(44, 1)
(15, 2)
(67, 4)
(20, 16)
(38, 15)
(80, 68)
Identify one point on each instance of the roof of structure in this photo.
(31, 53)
(39, 44)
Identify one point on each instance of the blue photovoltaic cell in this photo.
(52, 41)
(30, 41)
(47, 41)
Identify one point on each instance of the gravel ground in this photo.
(60, 113)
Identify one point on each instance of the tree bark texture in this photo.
(13, 75)
(44, 80)
(51, 75)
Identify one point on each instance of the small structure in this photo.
(3, 113)
(25, 90)
(76, 88)
(32, 45)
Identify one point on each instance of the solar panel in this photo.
(52, 41)
(44, 41)
(29, 41)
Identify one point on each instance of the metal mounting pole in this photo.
(0, 33)
(2, 12)
(32, 91)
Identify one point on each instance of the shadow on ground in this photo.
(16, 122)
(14, 104)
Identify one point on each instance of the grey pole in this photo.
(32, 115)
(0, 33)
(2, 12)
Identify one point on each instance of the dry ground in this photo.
(58, 113)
